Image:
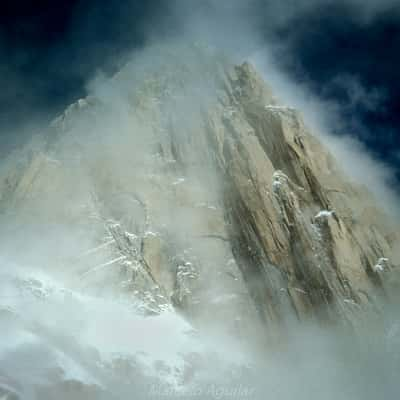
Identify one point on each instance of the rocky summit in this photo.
(181, 189)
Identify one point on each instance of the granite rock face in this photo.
(195, 189)
(301, 233)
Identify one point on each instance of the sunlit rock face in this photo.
(179, 202)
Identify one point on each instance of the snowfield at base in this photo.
(102, 331)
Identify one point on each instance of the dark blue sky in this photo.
(49, 49)
(321, 46)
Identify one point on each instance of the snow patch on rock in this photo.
(323, 214)
(381, 265)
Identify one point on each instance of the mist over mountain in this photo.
(343, 53)
(191, 224)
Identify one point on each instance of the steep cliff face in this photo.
(301, 233)
(190, 189)
(209, 196)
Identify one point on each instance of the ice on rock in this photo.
(224, 298)
(277, 108)
(381, 265)
(324, 214)
(82, 103)
(179, 181)
(131, 236)
(206, 205)
(104, 265)
(278, 179)
(229, 112)
(151, 233)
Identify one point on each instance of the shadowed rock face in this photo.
(195, 189)
(290, 208)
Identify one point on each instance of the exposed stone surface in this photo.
(227, 209)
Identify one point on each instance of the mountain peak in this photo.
(203, 197)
